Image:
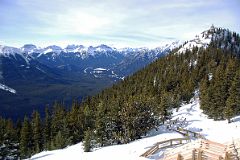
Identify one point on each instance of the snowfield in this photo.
(189, 116)
(6, 88)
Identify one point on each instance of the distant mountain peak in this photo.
(28, 48)
(104, 47)
(6, 50)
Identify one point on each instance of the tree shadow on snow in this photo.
(41, 156)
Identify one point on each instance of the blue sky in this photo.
(120, 23)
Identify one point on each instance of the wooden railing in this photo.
(171, 142)
(188, 132)
(164, 144)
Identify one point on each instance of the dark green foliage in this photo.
(26, 139)
(75, 122)
(166, 103)
(37, 132)
(233, 101)
(60, 132)
(47, 130)
(101, 124)
(60, 140)
(217, 87)
(87, 140)
(219, 94)
(9, 147)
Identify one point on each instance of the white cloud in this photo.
(74, 22)
(135, 22)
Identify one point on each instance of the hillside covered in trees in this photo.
(127, 110)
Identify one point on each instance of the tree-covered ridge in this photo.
(225, 39)
(140, 102)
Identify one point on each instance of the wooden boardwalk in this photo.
(201, 150)
(172, 142)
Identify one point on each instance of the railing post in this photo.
(227, 156)
(193, 154)
(179, 157)
(199, 156)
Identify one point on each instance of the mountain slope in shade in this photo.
(42, 75)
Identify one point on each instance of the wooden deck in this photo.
(201, 150)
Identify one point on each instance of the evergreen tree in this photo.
(75, 123)
(205, 94)
(37, 132)
(60, 132)
(58, 117)
(88, 116)
(100, 124)
(233, 101)
(47, 130)
(165, 106)
(59, 141)
(25, 139)
(9, 148)
(87, 140)
(219, 95)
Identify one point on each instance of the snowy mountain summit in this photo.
(7, 51)
(200, 40)
(218, 35)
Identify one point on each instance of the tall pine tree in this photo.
(25, 139)
(233, 101)
(37, 132)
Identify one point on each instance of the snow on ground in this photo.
(100, 69)
(200, 40)
(219, 131)
(6, 88)
(129, 151)
(189, 116)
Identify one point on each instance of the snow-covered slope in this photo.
(218, 35)
(190, 116)
(219, 131)
(200, 40)
(7, 51)
(6, 88)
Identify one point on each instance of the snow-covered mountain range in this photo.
(32, 77)
(79, 58)
(80, 50)
(41, 75)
